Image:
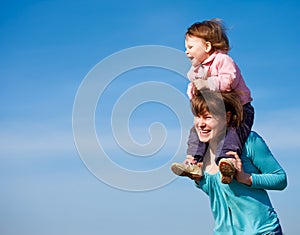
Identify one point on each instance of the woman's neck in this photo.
(209, 161)
(213, 146)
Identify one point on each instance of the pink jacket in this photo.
(222, 74)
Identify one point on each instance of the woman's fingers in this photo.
(200, 164)
(237, 161)
(189, 159)
(233, 154)
(241, 176)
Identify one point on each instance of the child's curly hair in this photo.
(212, 31)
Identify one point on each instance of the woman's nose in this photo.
(200, 122)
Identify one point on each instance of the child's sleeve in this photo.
(271, 176)
(189, 90)
(224, 74)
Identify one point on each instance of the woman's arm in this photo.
(271, 176)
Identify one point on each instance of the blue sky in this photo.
(48, 49)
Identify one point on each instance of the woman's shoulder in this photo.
(253, 136)
(254, 143)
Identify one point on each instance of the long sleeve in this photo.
(269, 174)
(224, 73)
(238, 208)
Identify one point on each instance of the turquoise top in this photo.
(239, 209)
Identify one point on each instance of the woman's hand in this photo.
(240, 176)
(189, 160)
(197, 178)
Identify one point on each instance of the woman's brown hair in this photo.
(218, 104)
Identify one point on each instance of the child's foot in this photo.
(186, 169)
(227, 170)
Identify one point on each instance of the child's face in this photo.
(197, 49)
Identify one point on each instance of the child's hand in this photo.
(200, 84)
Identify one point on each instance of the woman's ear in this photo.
(228, 117)
(208, 47)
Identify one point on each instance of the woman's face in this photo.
(209, 127)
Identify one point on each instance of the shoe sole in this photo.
(227, 172)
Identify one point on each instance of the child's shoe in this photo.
(227, 170)
(187, 169)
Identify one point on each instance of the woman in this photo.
(243, 206)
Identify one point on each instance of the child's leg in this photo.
(195, 147)
(195, 153)
(236, 137)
